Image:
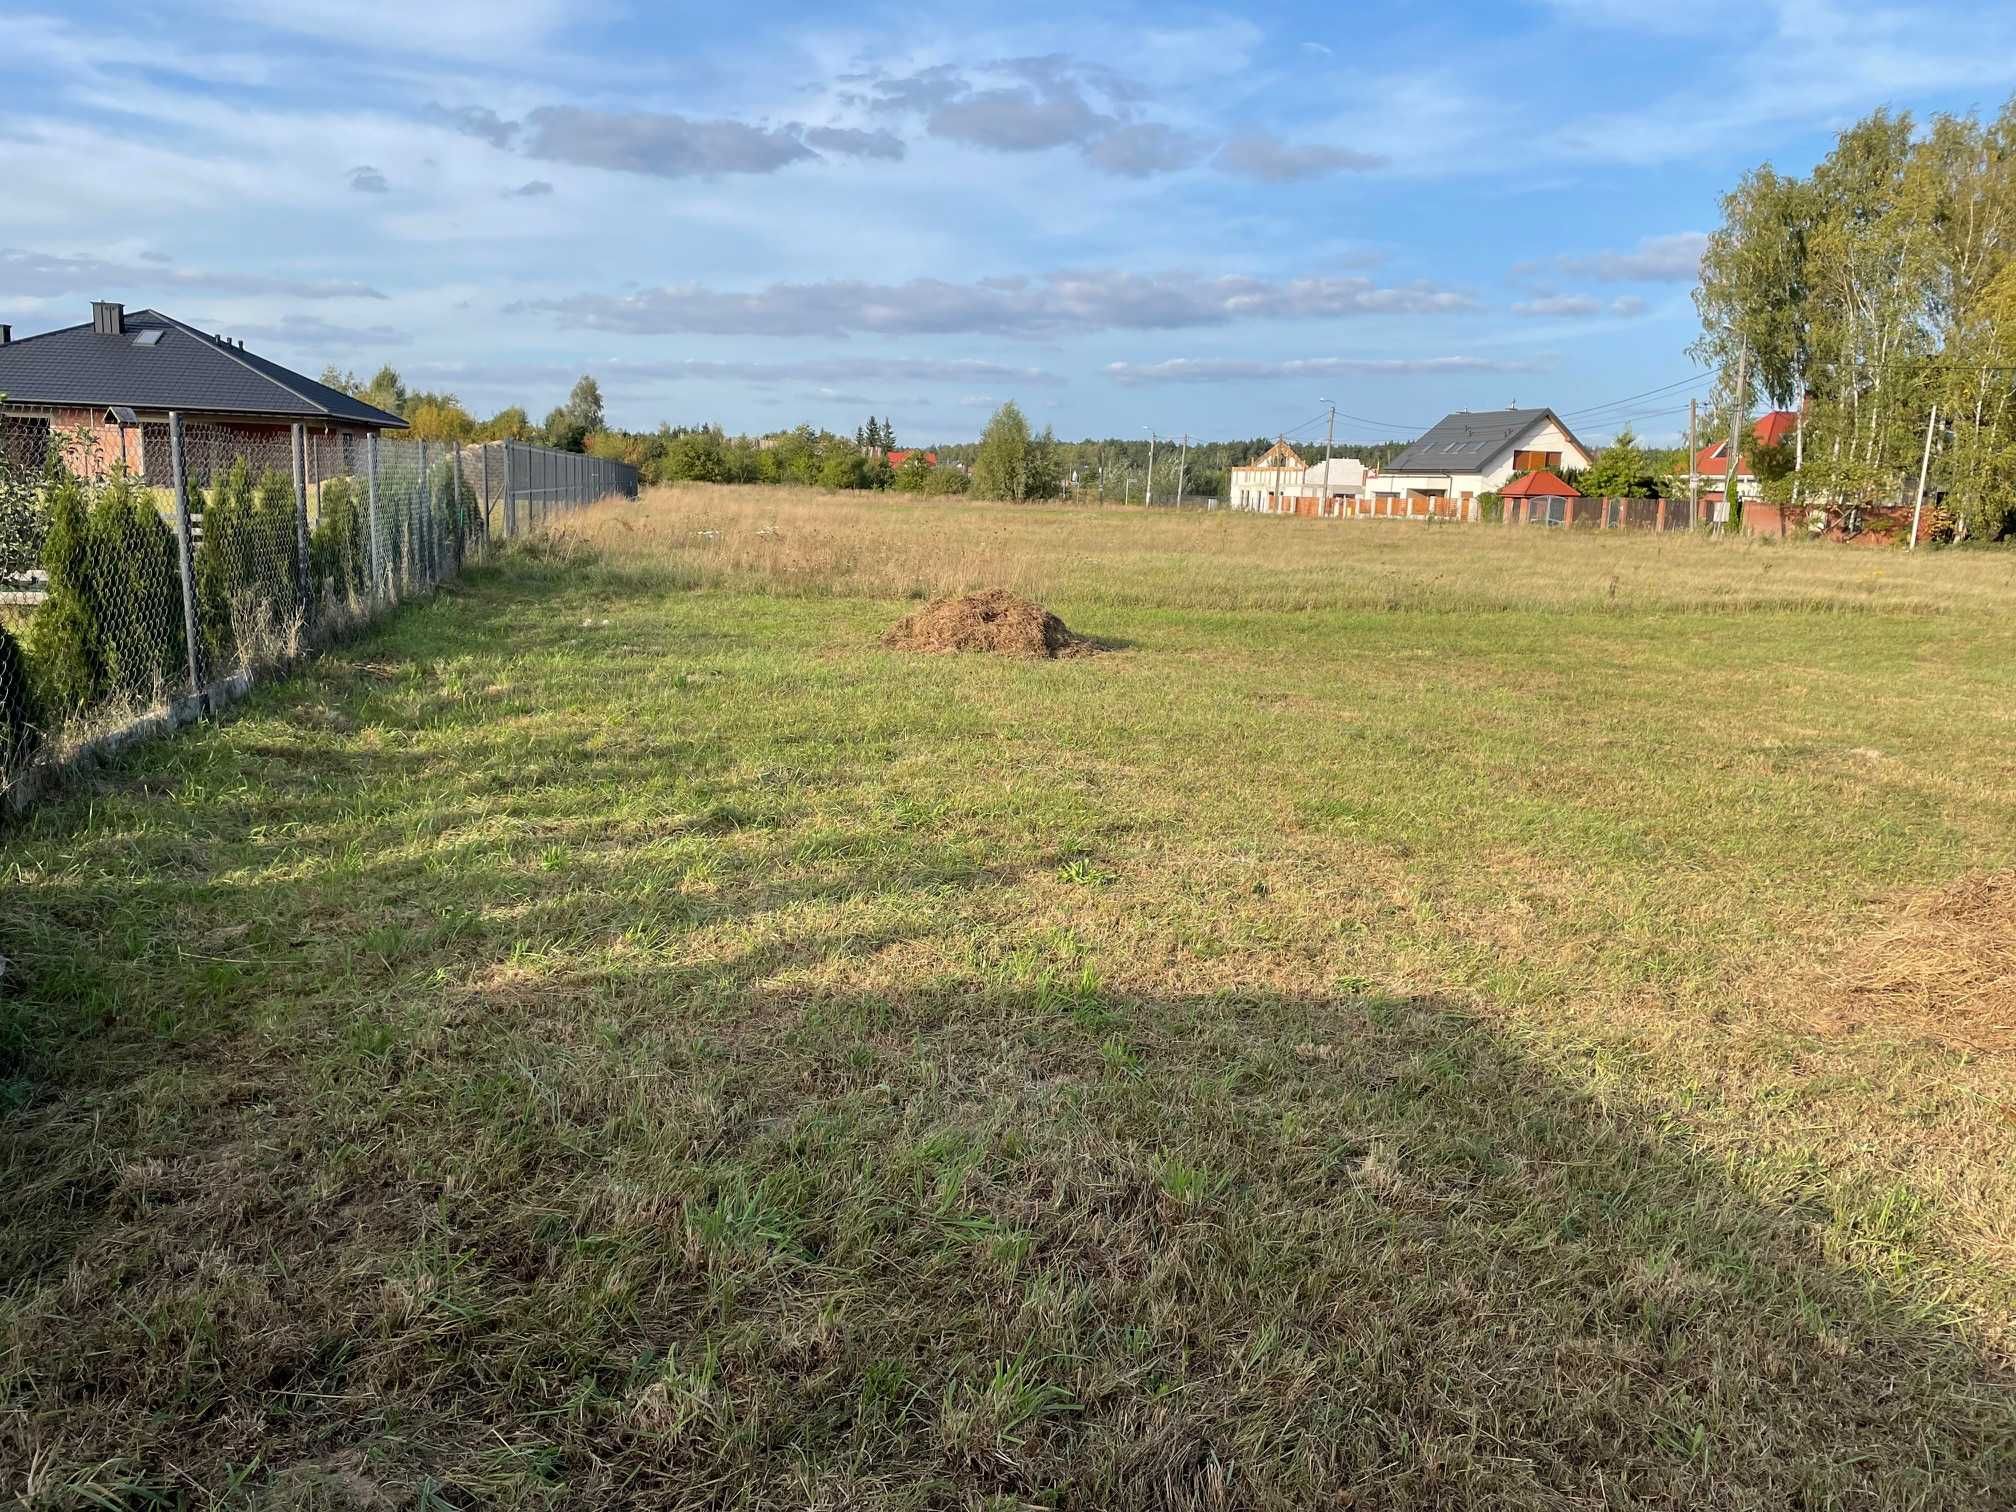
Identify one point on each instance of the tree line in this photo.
(1879, 293)
(1010, 460)
(437, 416)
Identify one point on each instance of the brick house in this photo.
(114, 380)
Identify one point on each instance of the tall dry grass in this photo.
(801, 541)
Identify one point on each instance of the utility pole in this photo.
(1799, 447)
(1924, 466)
(1182, 462)
(1739, 404)
(1693, 462)
(1148, 502)
(1329, 440)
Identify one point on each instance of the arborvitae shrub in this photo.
(226, 561)
(279, 555)
(68, 661)
(137, 592)
(337, 550)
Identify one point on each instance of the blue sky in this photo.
(1180, 218)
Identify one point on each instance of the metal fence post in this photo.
(457, 525)
(371, 516)
(424, 536)
(185, 544)
(510, 501)
(301, 517)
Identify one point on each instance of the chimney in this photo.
(6, 334)
(107, 318)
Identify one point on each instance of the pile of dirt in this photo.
(1942, 965)
(995, 620)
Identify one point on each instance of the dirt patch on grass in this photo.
(1943, 965)
(994, 620)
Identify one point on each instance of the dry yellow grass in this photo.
(784, 540)
(1944, 966)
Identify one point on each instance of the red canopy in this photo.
(1539, 485)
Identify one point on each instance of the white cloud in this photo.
(663, 146)
(1580, 306)
(1672, 258)
(814, 370)
(1239, 370)
(1268, 159)
(46, 273)
(1076, 300)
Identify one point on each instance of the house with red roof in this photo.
(1712, 462)
(898, 458)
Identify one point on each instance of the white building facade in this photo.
(1469, 453)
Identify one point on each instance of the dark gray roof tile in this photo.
(159, 363)
(1467, 440)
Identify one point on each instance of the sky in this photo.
(1125, 218)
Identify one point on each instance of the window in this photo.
(1534, 461)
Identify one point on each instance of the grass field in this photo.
(1432, 1017)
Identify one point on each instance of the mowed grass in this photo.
(1390, 1033)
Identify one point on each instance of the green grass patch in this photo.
(618, 1036)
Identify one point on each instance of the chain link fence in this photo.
(151, 571)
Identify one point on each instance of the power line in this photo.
(1700, 377)
(1398, 425)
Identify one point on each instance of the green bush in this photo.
(224, 559)
(946, 480)
(339, 550)
(247, 560)
(1490, 508)
(18, 729)
(279, 539)
(456, 512)
(68, 665)
(135, 583)
(844, 469)
(24, 522)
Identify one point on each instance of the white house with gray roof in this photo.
(1469, 453)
